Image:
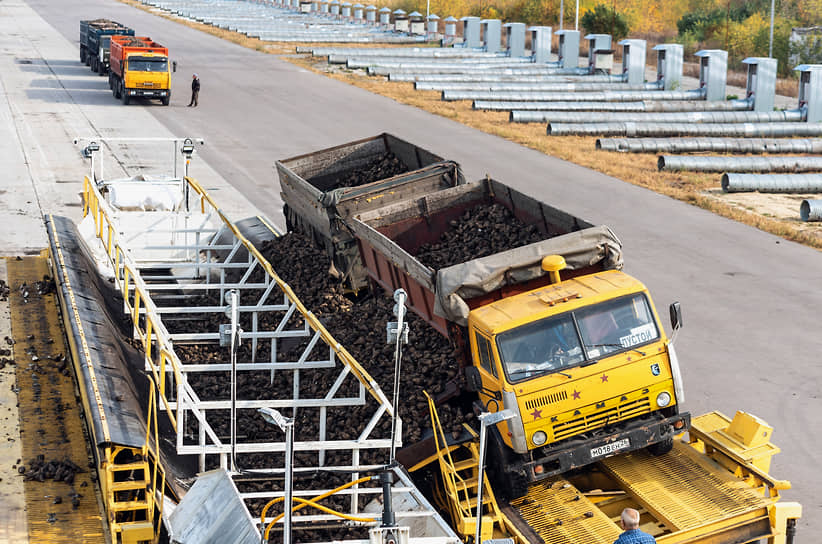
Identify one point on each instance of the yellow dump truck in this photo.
(139, 69)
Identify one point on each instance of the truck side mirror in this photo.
(174, 66)
(676, 315)
(473, 380)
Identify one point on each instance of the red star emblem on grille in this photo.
(576, 394)
(537, 414)
(604, 378)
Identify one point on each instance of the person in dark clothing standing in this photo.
(195, 90)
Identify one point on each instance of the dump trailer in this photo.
(553, 330)
(95, 42)
(318, 196)
(139, 69)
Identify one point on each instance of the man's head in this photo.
(193, 76)
(630, 519)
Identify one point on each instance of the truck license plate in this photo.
(610, 448)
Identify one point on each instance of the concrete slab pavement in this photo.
(47, 99)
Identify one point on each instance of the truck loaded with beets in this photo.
(95, 42)
(533, 299)
(139, 69)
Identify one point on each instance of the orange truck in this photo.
(139, 69)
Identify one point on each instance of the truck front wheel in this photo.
(661, 448)
(116, 88)
(83, 55)
(124, 95)
(166, 99)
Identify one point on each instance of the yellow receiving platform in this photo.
(50, 415)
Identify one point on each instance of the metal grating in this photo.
(546, 399)
(601, 418)
(559, 513)
(685, 489)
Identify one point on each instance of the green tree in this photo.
(605, 20)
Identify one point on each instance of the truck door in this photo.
(484, 360)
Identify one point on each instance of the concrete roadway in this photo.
(751, 300)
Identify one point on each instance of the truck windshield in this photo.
(576, 337)
(148, 65)
(106, 42)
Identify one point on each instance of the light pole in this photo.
(187, 150)
(230, 336)
(770, 40)
(486, 419)
(287, 425)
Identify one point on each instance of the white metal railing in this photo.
(194, 263)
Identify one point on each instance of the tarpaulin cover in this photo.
(481, 276)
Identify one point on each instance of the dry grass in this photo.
(777, 214)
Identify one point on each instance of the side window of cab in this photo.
(486, 358)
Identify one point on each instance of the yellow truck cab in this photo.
(585, 366)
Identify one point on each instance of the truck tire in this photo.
(499, 457)
(116, 88)
(110, 84)
(124, 95)
(661, 448)
(93, 64)
(166, 99)
(82, 54)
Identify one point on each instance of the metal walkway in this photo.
(50, 422)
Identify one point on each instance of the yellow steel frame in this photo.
(124, 530)
(460, 495)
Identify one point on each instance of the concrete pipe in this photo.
(672, 117)
(639, 106)
(600, 96)
(739, 130)
(517, 86)
(772, 183)
(811, 210)
(676, 163)
(716, 145)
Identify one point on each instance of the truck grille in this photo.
(598, 419)
(536, 402)
(148, 84)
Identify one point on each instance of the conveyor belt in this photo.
(50, 423)
(558, 513)
(682, 488)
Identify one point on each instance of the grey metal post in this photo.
(713, 73)
(761, 82)
(568, 48)
(595, 43)
(810, 91)
(491, 34)
(486, 419)
(669, 65)
(515, 39)
(770, 37)
(234, 302)
(287, 425)
(633, 61)
(540, 43)
(471, 32)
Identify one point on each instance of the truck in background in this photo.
(95, 42)
(582, 360)
(139, 69)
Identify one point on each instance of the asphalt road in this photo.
(751, 301)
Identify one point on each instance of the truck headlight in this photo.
(539, 438)
(663, 399)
